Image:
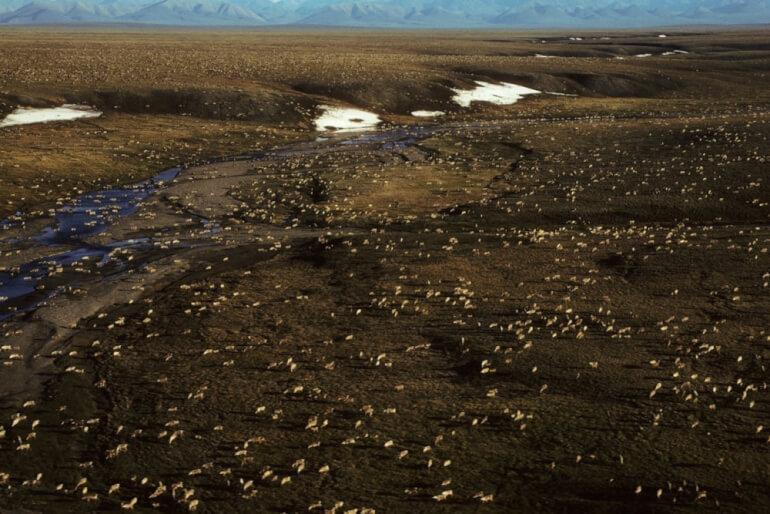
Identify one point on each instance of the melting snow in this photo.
(498, 94)
(427, 114)
(643, 55)
(346, 119)
(28, 115)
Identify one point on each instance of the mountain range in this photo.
(389, 13)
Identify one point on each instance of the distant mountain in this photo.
(49, 12)
(356, 14)
(389, 13)
(536, 15)
(184, 12)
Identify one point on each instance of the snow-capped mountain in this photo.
(388, 13)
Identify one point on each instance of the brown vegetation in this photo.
(560, 305)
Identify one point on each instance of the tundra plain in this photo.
(560, 305)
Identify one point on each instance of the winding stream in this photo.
(22, 289)
(90, 214)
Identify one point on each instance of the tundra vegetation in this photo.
(556, 305)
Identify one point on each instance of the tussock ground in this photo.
(556, 306)
(172, 96)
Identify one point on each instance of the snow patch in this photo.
(427, 114)
(345, 119)
(498, 94)
(67, 112)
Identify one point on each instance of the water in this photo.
(89, 215)
(92, 213)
